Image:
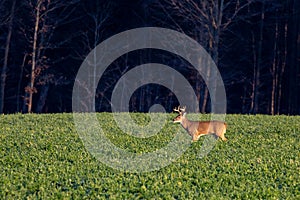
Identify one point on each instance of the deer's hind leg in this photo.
(222, 135)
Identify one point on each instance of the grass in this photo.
(42, 157)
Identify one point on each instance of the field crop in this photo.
(42, 157)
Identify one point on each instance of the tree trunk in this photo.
(42, 100)
(244, 104)
(206, 95)
(274, 72)
(5, 64)
(283, 65)
(254, 73)
(258, 64)
(20, 83)
(259, 59)
(34, 52)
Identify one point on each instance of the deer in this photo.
(196, 129)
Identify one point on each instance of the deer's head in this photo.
(181, 116)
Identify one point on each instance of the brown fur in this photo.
(200, 128)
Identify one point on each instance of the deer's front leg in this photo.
(195, 138)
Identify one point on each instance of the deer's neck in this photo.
(186, 124)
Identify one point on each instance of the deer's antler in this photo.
(177, 109)
(180, 110)
(183, 109)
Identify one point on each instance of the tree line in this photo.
(255, 44)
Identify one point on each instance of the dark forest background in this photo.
(255, 44)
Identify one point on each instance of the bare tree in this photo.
(6, 54)
(207, 21)
(98, 16)
(257, 62)
(278, 63)
(47, 15)
(283, 66)
(274, 70)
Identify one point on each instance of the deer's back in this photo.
(207, 127)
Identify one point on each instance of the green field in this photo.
(42, 157)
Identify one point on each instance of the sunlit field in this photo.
(42, 156)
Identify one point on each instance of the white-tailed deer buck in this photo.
(196, 129)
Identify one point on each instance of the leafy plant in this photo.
(42, 156)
